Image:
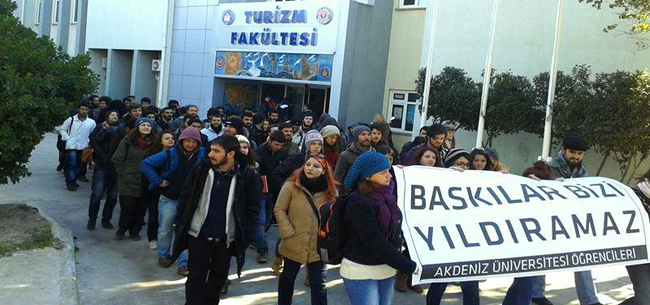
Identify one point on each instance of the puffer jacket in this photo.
(127, 160)
(297, 222)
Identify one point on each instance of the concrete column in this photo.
(82, 6)
(65, 16)
(144, 82)
(46, 18)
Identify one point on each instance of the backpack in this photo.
(331, 232)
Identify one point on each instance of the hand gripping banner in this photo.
(473, 225)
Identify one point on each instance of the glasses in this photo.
(462, 164)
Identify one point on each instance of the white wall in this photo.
(126, 24)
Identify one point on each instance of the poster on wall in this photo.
(305, 67)
(236, 97)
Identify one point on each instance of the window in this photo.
(402, 110)
(75, 11)
(39, 5)
(413, 3)
(55, 11)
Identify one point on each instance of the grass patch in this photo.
(23, 228)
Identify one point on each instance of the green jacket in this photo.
(127, 160)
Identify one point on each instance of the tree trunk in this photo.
(636, 166)
(627, 169)
(602, 164)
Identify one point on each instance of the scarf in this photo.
(389, 214)
(567, 171)
(644, 187)
(216, 130)
(314, 185)
(143, 144)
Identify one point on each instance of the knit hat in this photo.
(143, 120)
(454, 155)
(366, 165)
(190, 133)
(312, 136)
(237, 124)
(330, 130)
(450, 127)
(575, 143)
(493, 153)
(243, 139)
(358, 130)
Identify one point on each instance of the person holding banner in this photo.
(436, 135)
(640, 274)
(480, 160)
(568, 164)
(373, 220)
(297, 214)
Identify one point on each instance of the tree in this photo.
(637, 12)
(38, 82)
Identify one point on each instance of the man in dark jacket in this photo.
(270, 154)
(436, 135)
(166, 118)
(361, 144)
(568, 164)
(218, 207)
(257, 134)
(104, 175)
(174, 166)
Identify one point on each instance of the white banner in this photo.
(473, 225)
(306, 27)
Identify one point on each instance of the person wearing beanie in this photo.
(497, 165)
(372, 219)
(568, 164)
(167, 171)
(234, 126)
(436, 135)
(270, 155)
(331, 146)
(457, 157)
(127, 157)
(450, 141)
(361, 144)
(312, 183)
(258, 134)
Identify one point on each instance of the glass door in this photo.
(295, 96)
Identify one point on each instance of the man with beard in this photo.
(215, 129)
(166, 118)
(306, 124)
(99, 113)
(247, 119)
(361, 144)
(273, 116)
(290, 147)
(257, 133)
(568, 164)
(218, 208)
(436, 135)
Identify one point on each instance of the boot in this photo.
(276, 265)
(415, 288)
(91, 224)
(401, 282)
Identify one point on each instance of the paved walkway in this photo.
(126, 272)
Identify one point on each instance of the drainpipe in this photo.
(166, 55)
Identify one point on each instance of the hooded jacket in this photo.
(166, 163)
(100, 142)
(246, 208)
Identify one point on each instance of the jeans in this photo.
(72, 166)
(640, 277)
(103, 182)
(317, 273)
(266, 212)
(370, 292)
(585, 288)
(469, 289)
(167, 210)
(208, 264)
(131, 214)
(520, 291)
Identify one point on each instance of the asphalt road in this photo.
(126, 272)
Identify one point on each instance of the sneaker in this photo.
(164, 262)
(262, 258)
(106, 224)
(182, 271)
(72, 188)
(91, 224)
(59, 168)
(82, 179)
(119, 235)
(252, 246)
(153, 245)
(134, 237)
(541, 301)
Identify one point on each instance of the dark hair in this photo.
(106, 99)
(248, 114)
(540, 170)
(145, 99)
(111, 111)
(250, 159)
(92, 96)
(126, 99)
(131, 97)
(278, 136)
(227, 142)
(158, 143)
(82, 104)
(436, 129)
(167, 108)
(148, 112)
(258, 118)
(187, 108)
(133, 107)
(488, 165)
(417, 156)
(173, 102)
(284, 125)
(419, 141)
(384, 150)
(134, 135)
(192, 120)
(273, 111)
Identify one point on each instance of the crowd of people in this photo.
(212, 188)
